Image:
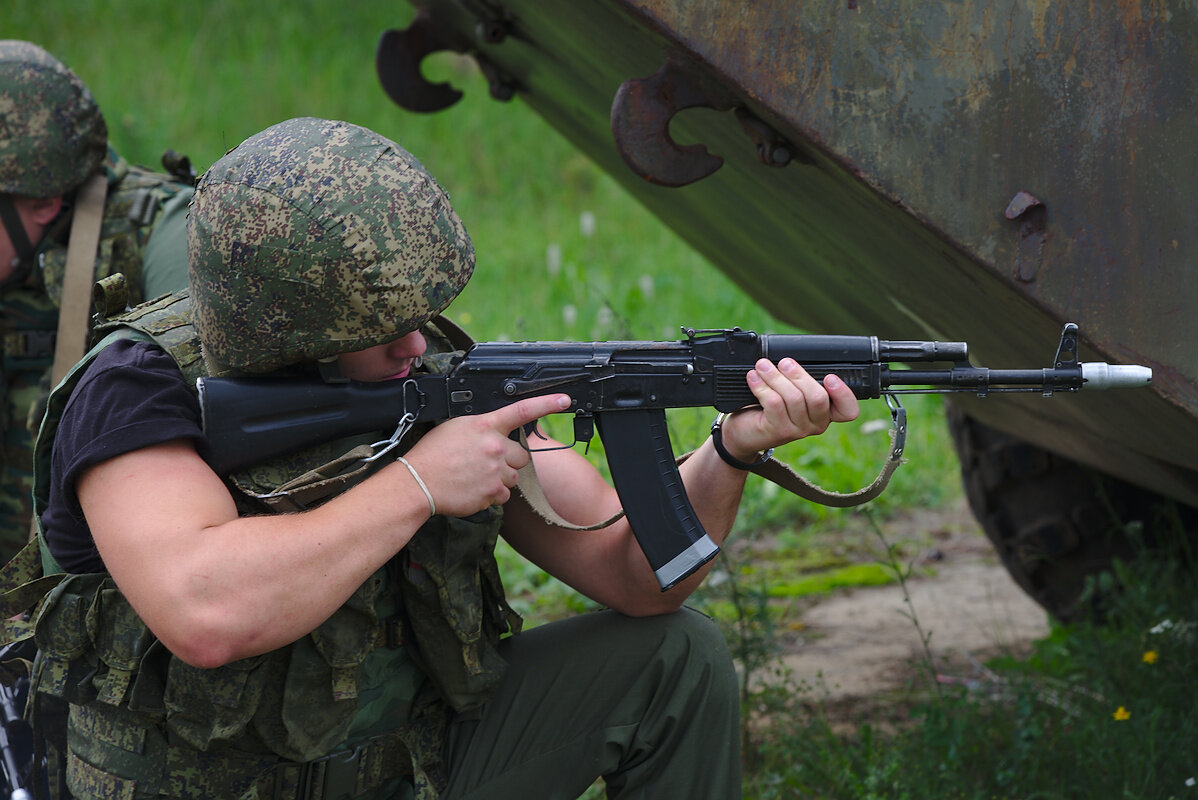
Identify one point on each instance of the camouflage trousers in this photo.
(651, 705)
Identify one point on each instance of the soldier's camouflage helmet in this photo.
(315, 238)
(52, 135)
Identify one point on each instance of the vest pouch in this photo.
(211, 708)
(319, 698)
(120, 639)
(453, 620)
(66, 660)
(30, 324)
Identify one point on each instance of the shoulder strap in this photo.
(24, 583)
(80, 270)
(454, 334)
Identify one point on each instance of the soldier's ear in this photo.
(42, 210)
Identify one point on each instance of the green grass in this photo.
(1101, 709)
(201, 77)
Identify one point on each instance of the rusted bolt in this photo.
(1020, 203)
(1031, 238)
(772, 150)
(491, 31)
(498, 84)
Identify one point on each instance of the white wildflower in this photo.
(586, 223)
(874, 425)
(553, 259)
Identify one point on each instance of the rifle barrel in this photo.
(1090, 375)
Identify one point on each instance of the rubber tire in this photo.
(1053, 521)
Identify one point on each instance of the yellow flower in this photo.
(1150, 657)
(1121, 714)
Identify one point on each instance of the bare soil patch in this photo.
(858, 643)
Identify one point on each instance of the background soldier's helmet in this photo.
(314, 238)
(52, 135)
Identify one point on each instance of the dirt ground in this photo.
(863, 642)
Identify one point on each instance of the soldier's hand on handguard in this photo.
(469, 463)
(792, 406)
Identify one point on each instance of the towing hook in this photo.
(640, 122)
(399, 54)
(397, 61)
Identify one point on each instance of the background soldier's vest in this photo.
(319, 716)
(29, 324)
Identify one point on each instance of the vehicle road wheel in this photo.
(1053, 521)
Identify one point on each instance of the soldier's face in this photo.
(35, 215)
(383, 362)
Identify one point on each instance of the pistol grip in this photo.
(646, 477)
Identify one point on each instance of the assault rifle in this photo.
(16, 747)
(12, 780)
(624, 388)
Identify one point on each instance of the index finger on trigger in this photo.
(530, 409)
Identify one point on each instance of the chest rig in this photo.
(29, 324)
(358, 703)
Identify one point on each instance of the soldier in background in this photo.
(53, 145)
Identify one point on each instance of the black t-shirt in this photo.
(132, 396)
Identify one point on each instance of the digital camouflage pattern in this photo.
(314, 238)
(52, 134)
(351, 709)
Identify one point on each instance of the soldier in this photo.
(53, 143)
(327, 626)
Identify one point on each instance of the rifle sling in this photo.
(773, 470)
(781, 474)
(529, 486)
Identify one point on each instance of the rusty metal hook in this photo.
(640, 123)
(397, 61)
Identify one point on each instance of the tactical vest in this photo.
(357, 705)
(29, 324)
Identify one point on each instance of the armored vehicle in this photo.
(981, 172)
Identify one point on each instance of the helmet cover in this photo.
(52, 134)
(315, 238)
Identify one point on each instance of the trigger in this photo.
(584, 428)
